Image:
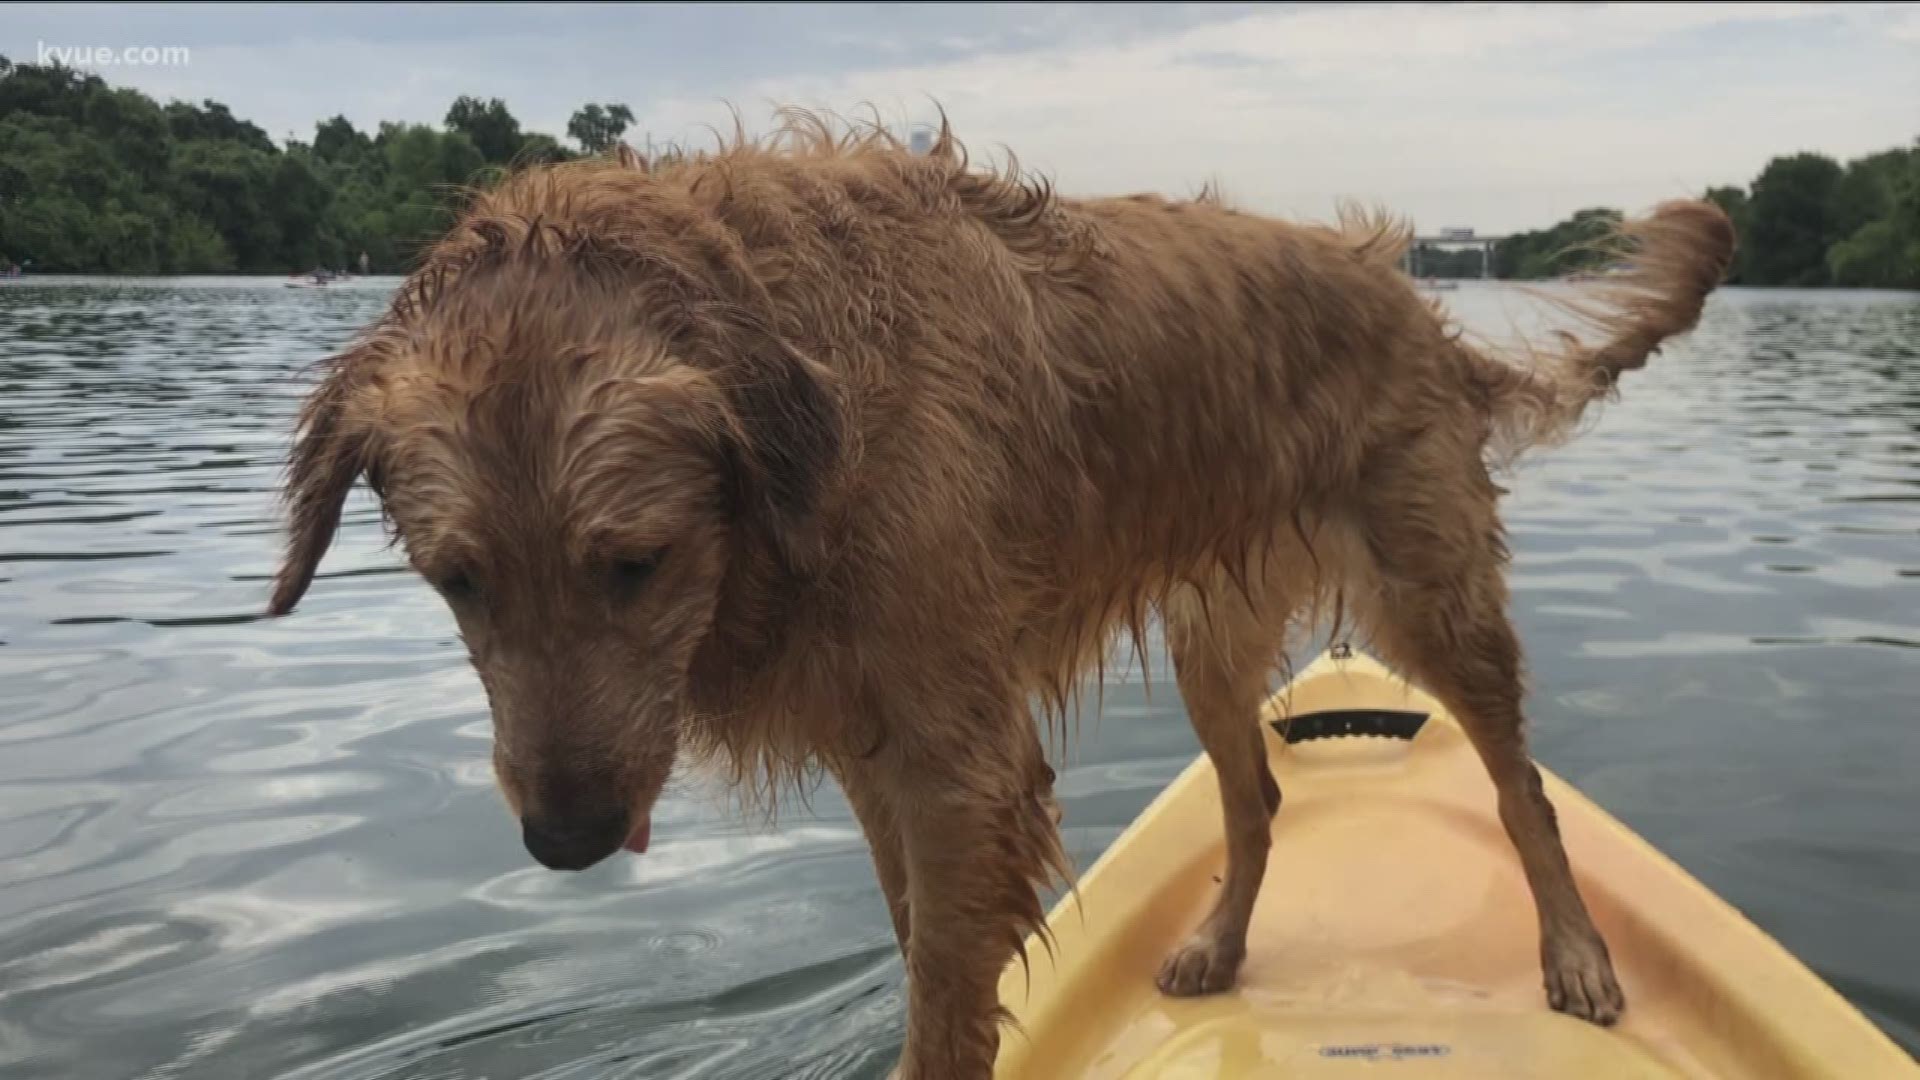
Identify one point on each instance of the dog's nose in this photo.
(573, 844)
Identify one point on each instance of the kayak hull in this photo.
(1395, 935)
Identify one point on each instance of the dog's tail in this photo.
(1673, 258)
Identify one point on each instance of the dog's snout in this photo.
(573, 843)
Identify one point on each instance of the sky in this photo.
(1488, 116)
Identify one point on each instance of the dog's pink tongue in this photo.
(642, 832)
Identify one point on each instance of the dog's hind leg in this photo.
(1439, 613)
(1223, 652)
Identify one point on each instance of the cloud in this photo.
(1500, 116)
(1905, 26)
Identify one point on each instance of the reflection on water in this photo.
(237, 848)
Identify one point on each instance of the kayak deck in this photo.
(1395, 935)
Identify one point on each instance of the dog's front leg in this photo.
(978, 846)
(873, 805)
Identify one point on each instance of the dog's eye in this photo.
(630, 574)
(456, 586)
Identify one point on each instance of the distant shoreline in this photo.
(114, 182)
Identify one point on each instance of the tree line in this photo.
(95, 179)
(1806, 221)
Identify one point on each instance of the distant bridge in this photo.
(1453, 238)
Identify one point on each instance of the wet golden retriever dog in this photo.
(811, 452)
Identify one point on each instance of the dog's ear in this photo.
(329, 453)
(789, 438)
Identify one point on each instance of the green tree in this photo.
(229, 184)
(1569, 247)
(597, 128)
(195, 247)
(1733, 200)
(134, 128)
(1794, 220)
(298, 203)
(1878, 203)
(1869, 188)
(541, 149)
(44, 90)
(421, 160)
(338, 140)
(214, 122)
(1875, 256)
(1434, 261)
(426, 171)
(49, 230)
(492, 129)
(94, 178)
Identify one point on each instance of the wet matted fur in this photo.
(815, 452)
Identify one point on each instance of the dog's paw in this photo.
(1580, 981)
(1204, 965)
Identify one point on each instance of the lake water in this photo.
(239, 848)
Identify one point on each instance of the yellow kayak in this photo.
(1395, 936)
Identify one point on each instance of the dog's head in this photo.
(579, 461)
